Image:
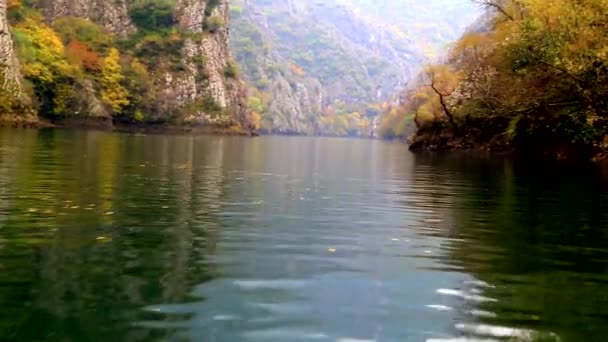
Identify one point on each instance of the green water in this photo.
(109, 237)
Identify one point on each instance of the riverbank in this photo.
(537, 146)
(108, 124)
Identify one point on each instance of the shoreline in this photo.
(446, 141)
(442, 141)
(110, 125)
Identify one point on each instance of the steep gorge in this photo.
(142, 61)
(330, 67)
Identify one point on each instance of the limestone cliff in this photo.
(9, 67)
(329, 67)
(173, 62)
(113, 15)
(294, 104)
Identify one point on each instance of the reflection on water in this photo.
(126, 237)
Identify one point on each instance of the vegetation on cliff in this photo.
(330, 67)
(531, 74)
(158, 70)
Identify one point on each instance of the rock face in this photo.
(329, 67)
(113, 15)
(227, 91)
(194, 80)
(305, 58)
(9, 66)
(294, 105)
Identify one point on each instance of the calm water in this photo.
(108, 237)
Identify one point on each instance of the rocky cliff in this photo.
(162, 61)
(327, 67)
(9, 68)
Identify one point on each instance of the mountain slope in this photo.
(154, 61)
(323, 67)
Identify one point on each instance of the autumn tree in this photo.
(443, 82)
(113, 94)
(498, 5)
(534, 70)
(80, 54)
(567, 38)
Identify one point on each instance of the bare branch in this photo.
(496, 5)
(442, 96)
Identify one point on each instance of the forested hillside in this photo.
(142, 61)
(330, 67)
(529, 74)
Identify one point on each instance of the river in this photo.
(116, 237)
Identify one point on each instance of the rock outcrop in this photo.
(9, 66)
(191, 77)
(294, 105)
(113, 15)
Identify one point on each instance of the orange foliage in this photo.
(12, 4)
(296, 69)
(79, 53)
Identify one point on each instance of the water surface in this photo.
(109, 237)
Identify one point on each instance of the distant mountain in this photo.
(325, 67)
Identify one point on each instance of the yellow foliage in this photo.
(256, 119)
(113, 94)
(444, 78)
(541, 60)
(41, 51)
(576, 30)
(63, 94)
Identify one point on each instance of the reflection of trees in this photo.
(537, 232)
(103, 225)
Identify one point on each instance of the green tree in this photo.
(153, 15)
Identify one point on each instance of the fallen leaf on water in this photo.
(331, 250)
